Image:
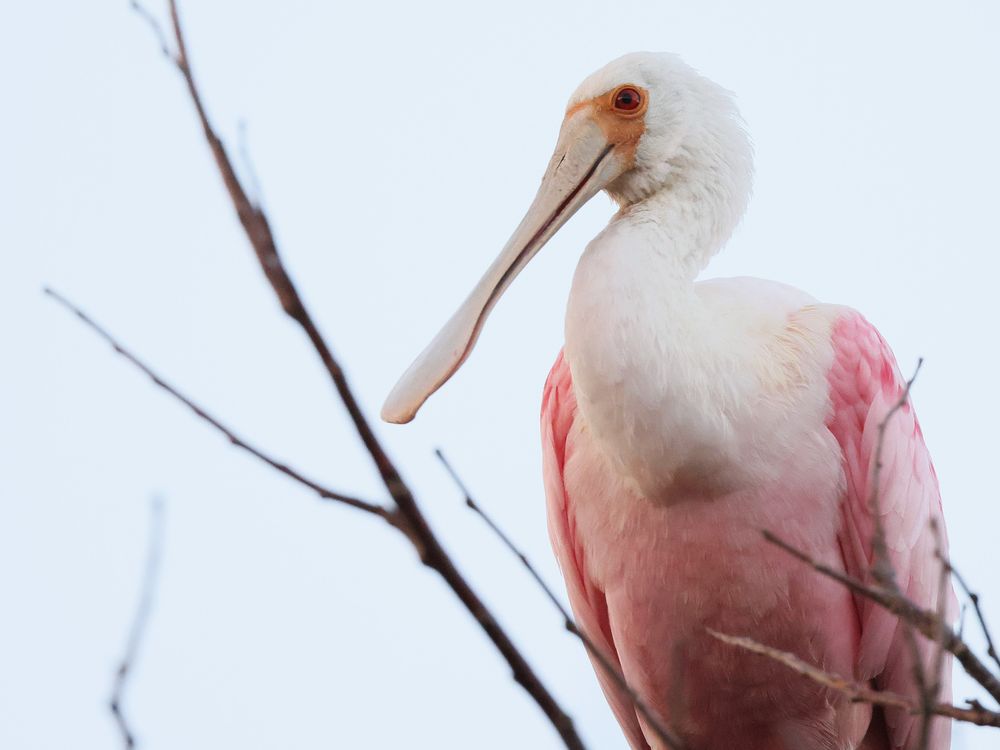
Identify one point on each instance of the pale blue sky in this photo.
(398, 145)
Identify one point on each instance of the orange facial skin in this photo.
(623, 128)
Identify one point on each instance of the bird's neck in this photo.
(641, 344)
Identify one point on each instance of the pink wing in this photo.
(865, 384)
(587, 600)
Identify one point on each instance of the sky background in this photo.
(397, 146)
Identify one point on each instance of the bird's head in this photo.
(635, 127)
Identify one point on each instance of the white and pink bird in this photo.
(684, 417)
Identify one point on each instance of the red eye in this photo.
(627, 100)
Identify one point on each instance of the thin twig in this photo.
(147, 593)
(154, 25)
(665, 735)
(239, 442)
(974, 598)
(923, 620)
(407, 515)
(883, 570)
(975, 714)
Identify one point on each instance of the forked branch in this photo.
(201, 413)
(405, 514)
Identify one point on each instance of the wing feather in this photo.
(865, 384)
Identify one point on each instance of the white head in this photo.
(643, 125)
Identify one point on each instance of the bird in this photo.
(684, 417)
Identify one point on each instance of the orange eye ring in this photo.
(627, 100)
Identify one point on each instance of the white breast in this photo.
(707, 386)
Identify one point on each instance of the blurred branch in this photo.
(406, 515)
(670, 739)
(856, 691)
(154, 25)
(147, 592)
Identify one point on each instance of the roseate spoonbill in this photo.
(683, 418)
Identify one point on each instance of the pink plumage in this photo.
(864, 383)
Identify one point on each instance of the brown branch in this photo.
(407, 515)
(232, 437)
(670, 739)
(856, 691)
(923, 620)
(147, 591)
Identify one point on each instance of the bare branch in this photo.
(407, 516)
(154, 26)
(670, 739)
(923, 620)
(856, 691)
(974, 598)
(323, 492)
(147, 592)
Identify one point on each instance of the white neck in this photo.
(641, 346)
